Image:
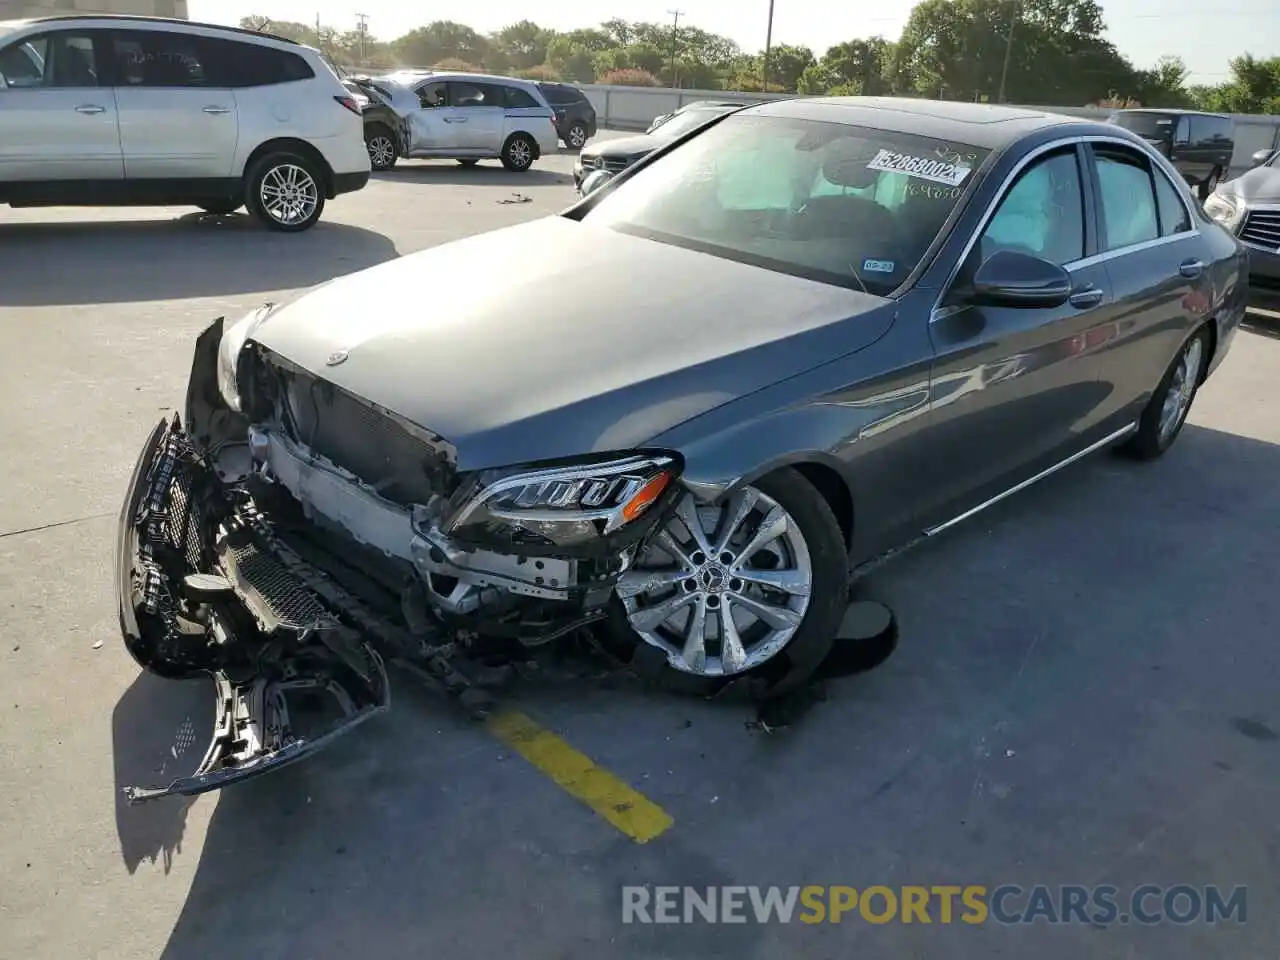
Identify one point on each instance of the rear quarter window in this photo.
(235, 64)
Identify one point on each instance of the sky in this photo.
(1205, 36)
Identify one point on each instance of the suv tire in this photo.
(518, 152)
(285, 191)
(575, 137)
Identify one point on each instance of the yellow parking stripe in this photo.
(631, 812)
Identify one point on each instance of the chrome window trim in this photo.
(938, 311)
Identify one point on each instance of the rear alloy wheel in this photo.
(518, 153)
(381, 147)
(1167, 410)
(284, 191)
(1210, 184)
(756, 585)
(576, 137)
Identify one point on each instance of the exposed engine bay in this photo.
(292, 547)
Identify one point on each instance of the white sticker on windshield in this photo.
(877, 266)
(939, 171)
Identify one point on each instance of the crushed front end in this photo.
(289, 538)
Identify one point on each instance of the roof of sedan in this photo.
(979, 124)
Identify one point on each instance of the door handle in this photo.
(1086, 298)
(214, 109)
(1191, 268)
(455, 119)
(90, 108)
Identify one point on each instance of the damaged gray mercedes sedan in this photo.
(799, 337)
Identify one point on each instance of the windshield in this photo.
(1151, 126)
(854, 206)
(681, 123)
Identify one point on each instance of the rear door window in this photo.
(155, 58)
(1173, 212)
(1127, 195)
(516, 98)
(465, 94)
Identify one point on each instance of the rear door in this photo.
(1156, 263)
(1015, 389)
(477, 114)
(176, 121)
(58, 116)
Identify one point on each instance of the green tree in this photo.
(862, 64)
(1254, 87)
(787, 64)
(572, 59)
(441, 40)
(524, 44)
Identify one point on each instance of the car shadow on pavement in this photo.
(195, 255)
(412, 834)
(487, 173)
(159, 732)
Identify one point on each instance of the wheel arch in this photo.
(825, 474)
(300, 147)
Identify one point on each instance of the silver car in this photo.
(471, 117)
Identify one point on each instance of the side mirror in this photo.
(1259, 158)
(1008, 278)
(594, 181)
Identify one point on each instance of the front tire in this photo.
(1210, 184)
(518, 153)
(1166, 412)
(285, 191)
(754, 587)
(381, 146)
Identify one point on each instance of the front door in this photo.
(57, 121)
(1015, 388)
(176, 123)
(477, 112)
(429, 134)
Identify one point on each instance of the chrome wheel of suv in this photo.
(382, 152)
(577, 136)
(284, 190)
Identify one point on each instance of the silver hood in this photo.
(1261, 184)
(556, 338)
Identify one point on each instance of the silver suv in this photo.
(126, 111)
(461, 116)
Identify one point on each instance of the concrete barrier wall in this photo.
(633, 108)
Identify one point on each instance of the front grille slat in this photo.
(374, 447)
(1262, 227)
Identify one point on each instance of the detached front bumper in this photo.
(201, 589)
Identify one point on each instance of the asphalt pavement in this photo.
(1084, 692)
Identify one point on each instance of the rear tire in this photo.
(518, 152)
(1166, 412)
(816, 543)
(575, 137)
(220, 208)
(381, 144)
(285, 191)
(1210, 183)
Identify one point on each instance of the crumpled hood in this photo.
(1260, 183)
(556, 338)
(625, 147)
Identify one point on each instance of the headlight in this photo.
(563, 505)
(1227, 209)
(233, 341)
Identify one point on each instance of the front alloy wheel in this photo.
(727, 589)
(382, 151)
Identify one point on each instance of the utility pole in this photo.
(1008, 47)
(362, 21)
(768, 44)
(675, 35)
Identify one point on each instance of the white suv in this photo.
(126, 111)
(460, 116)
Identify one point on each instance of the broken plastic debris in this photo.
(97, 644)
(516, 198)
(1009, 753)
